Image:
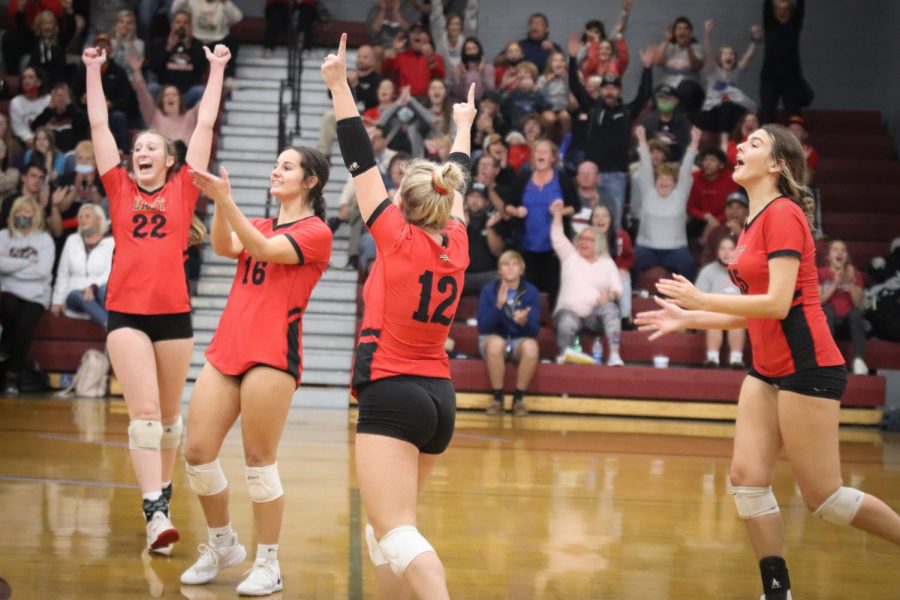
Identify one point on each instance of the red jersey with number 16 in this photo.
(410, 298)
(152, 230)
(802, 339)
(262, 323)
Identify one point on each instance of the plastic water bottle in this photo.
(576, 344)
(597, 351)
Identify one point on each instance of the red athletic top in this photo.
(410, 298)
(801, 340)
(262, 323)
(151, 229)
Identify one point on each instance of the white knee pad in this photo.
(375, 554)
(144, 434)
(402, 545)
(206, 480)
(753, 502)
(841, 507)
(171, 435)
(264, 483)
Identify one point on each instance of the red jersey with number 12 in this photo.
(262, 323)
(802, 339)
(152, 230)
(410, 298)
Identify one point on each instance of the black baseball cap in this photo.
(737, 197)
(665, 90)
(611, 79)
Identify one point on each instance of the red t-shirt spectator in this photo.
(33, 8)
(840, 300)
(411, 68)
(625, 252)
(708, 197)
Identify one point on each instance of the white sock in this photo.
(152, 496)
(219, 537)
(736, 357)
(267, 552)
(712, 356)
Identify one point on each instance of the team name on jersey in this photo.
(141, 203)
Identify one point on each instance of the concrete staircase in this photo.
(248, 148)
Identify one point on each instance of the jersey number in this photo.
(140, 222)
(259, 272)
(739, 281)
(426, 280)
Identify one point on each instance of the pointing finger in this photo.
(471, 99)
(342, 47)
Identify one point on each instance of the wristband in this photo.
(356, 148)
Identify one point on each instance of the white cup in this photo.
(661, 361)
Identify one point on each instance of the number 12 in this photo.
(426, 280)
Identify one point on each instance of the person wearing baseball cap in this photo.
(711, 187)
(737, 209)
(667, 123)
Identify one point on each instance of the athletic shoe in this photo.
(263, 579)
(212, 561)
(494, 408)
(574, 357)
(160, 531)
(738, 365)
(710, 364)
(615, 360)
(860, 367)
(519, 409)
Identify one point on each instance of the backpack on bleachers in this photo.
(92, 378)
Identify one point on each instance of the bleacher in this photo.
(858, 177)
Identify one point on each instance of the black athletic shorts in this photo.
(174, 326)
(821, 382)
(418, 410)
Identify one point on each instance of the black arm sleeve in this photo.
(581, 95)
(643, 95)
(356, 148)
(461, 159)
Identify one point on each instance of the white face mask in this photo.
(84, 169)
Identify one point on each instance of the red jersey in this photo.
(151, 229)
(708, 197)
(801, 340)
(410, 298)
(262, 323)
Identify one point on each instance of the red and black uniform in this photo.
(801, 343)
(410, 301)
(151, 229)
(262, 323)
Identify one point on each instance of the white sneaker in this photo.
(615, 360)
(160, 532)
(860, 367)
(212, 561)
(264, 579)
(574, 357)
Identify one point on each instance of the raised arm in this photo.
(105, 150)
(755, 39)
(645, 163)
(707, 42)
(200, 146)
(145, 101)
(463, 116)
(685, 181)
(663, 46)
(356, 147)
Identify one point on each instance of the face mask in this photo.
(89, 231)
(467, 58)
(405, 114)
(84, 169)
(666, 106)
(23, 222)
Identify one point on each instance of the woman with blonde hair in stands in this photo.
(26, 269)
(126, 45)
(83, 270)
(150, 337)
(43, 147)
(790, 401)
(401, 373)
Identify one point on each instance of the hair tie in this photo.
(438, 187)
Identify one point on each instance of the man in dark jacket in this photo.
(179, 60)
(68, 122)
(509, 314)
(608, 127)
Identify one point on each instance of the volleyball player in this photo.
(401, 373)
(150, 335)
(790, 399)
(255, 359)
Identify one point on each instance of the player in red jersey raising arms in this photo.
(401, 374)
(791, 397)
(255, 360)
(150, 335)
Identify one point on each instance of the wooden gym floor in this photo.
(541, 507)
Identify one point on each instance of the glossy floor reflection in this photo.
(541, 507)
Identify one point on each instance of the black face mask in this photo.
(471, 58)
(23, 222)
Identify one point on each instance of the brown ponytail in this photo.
(315, 165)
(787, 151)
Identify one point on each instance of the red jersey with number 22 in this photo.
(410, 298)
(802, 339)
(262, 323)
(152, 230)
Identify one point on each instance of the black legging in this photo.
(791, 93)
(722, 118)
(542, 269)
(690, 96)
(278, 22)
(19, 320)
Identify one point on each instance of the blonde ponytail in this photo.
(427, 191)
